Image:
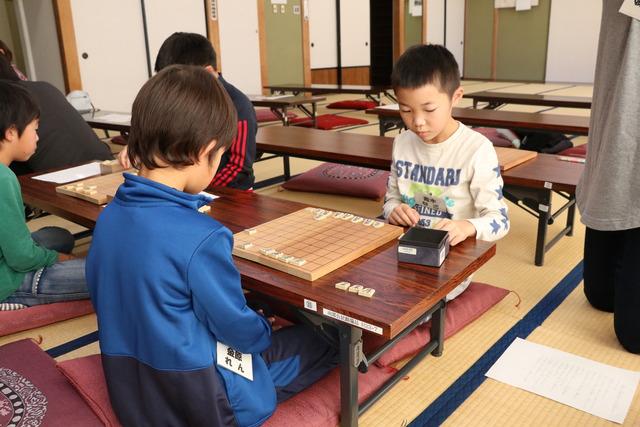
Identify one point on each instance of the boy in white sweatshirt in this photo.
(444, 175)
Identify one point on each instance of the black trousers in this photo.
(612, 280)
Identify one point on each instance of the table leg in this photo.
(437, 329)
(544, 212)
(350, 338)
(286, 167)
(571, 214)
(314, 113)
(285, 117)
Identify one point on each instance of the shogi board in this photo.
(99, 190)
(512, 157)
(325, 245)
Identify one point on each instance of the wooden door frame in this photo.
(398, 28)
(213, 30)
(68, 46)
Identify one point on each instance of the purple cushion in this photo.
(41, 315)
(332, 178)
(35, 393)
(266, 115)
(471, 304)
(577, 151)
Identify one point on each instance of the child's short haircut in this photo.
(6, 70)
(186, 49)
(176, 114)
(426, 64)
(17, 108)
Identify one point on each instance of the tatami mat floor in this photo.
(574, 327)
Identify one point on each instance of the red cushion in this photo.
(319, 405)
(39, 388)
(87, 376)
(266, 115)
(346, 180)
(353, 105)
(496, 138)
(577, 151)
(328, 121)
(40, 315)
(471, 304)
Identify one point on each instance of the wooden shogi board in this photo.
(99, 190)
(325, 244)
(512, 157)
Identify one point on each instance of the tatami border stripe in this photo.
(441, 408)
(72, 345)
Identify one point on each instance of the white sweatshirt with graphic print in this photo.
(458, 179)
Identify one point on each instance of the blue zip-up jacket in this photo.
(165, 289)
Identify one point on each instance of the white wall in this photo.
(355, 49)
(435, 21)
(111, 35)
(165, 17)
(455, 30)
(574, 29)
(323, 36)
(240, 44)
(40, 41)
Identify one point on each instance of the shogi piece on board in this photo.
(98, 190)
(512, 157)
(324, 244)
(110, 166)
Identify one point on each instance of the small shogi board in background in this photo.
(511, 157)
(99, 190)
(325, 244)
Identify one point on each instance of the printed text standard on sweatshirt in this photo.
(458, 179)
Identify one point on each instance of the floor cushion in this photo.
(266, 115)
(471, 304)
(40, 315)
(577, 151)
(33, 392)
(87, 376)
(328, 121)
(333, 178)
(319, 405)
(353, 105)
(497, 138)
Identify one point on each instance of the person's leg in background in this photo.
(612, 280)
(63, 281)
(55, 238)
(601, 258)
(626, 315)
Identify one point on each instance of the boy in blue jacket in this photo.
(174, 323)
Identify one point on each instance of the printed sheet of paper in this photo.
(593, 387)
(631, 8)
(523, 5)
(71, 174)
(115, 118)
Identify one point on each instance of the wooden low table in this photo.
(389, 119)
(415, 291)
(529, 178)
(279, 105)
(103, 120)
(496, 99)
(372, 92)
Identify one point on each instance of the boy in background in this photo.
(34, 268)
(162, 279)
(236, 165)
(444, 175)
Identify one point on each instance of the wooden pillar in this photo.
(398, 28)
(67, 42)
(306, 51)
(425, 11)
(213, 31)
(494, 46)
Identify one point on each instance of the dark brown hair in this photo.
(17, 108)
(186, 49)
(176, 114)
(426, 64)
